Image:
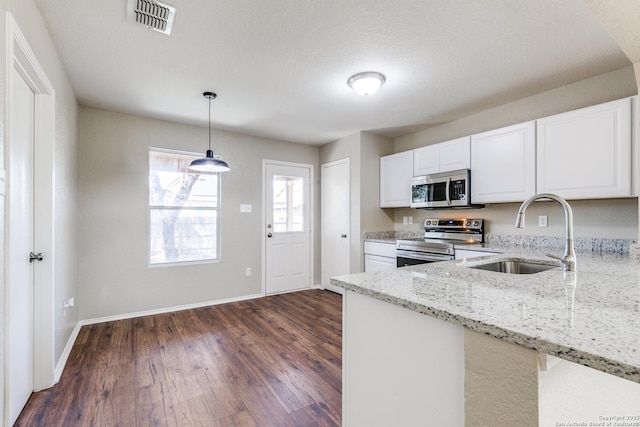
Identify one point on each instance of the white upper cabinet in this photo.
(503, 164)
(396, 172)
(443, 157)
(426, 160)
(455, 154)
(586, 153)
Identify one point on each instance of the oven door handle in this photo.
(423, 256)
(447, 192)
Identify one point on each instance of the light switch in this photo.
(245, 208)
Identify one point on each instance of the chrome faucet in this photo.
(568, 259)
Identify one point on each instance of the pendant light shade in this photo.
(211, 162)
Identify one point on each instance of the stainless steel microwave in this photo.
(442, 190)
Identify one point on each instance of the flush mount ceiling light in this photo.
(366, 83)
(210, 163)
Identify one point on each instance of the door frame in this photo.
(20, 58)
(266, 162)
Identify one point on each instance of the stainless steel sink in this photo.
(514, 267)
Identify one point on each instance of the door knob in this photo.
(344, 236)
(35, 257)
(270, 235)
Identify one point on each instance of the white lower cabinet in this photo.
(586, 153)
(400, 368)
(379, 256)
(503, 164)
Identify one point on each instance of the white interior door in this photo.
(287, 227)
(20, 244)
(336, 213)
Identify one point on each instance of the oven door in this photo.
(405, 258)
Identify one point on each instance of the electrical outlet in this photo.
(67, 304)
(247, 271)
(542, 221)
(405, 220)
(411, 220)
(245, 208)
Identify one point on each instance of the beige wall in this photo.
(611, 218)
(114, 273)
(373, 218)
(65, 167)
(606, 87)
(364, 151)
(596, 218)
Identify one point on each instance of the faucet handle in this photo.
(554, 256)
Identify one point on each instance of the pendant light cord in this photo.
(209, 123)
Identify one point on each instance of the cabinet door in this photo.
(455, 154)
(373, 263)
(396, 172)
(586, 153)
(503, 164)
(426, 160)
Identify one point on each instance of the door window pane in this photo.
(288, 205)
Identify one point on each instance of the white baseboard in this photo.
(66, 352)
(167, 309)
(335, 289)
(76, 330)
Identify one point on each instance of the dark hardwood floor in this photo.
(274, 361)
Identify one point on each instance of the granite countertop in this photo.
(591, 317)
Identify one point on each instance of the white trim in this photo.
(20, 57)
(266, 162)
(335, 289)
(67, 351)
(167, 310)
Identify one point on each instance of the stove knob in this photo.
(468, 223)
(428, 222)
(476, 223)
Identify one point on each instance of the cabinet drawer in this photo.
(380, 249)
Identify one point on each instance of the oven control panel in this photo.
(453, 224)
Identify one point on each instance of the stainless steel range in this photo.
(440, 236)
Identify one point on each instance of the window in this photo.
(288, 207)
(183, 210)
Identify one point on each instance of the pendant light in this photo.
(209, 163)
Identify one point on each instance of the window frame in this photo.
(150, 208)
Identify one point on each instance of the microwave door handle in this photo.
(447, 192)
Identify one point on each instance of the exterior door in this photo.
(20, 244)
(287, 227)
(336, 213)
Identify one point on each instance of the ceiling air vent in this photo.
(152, 14)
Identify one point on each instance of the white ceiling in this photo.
(280, 67)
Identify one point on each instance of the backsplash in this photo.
(580, 243)
(398, 234)
(601, 245)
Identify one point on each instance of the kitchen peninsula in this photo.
(449, 344)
